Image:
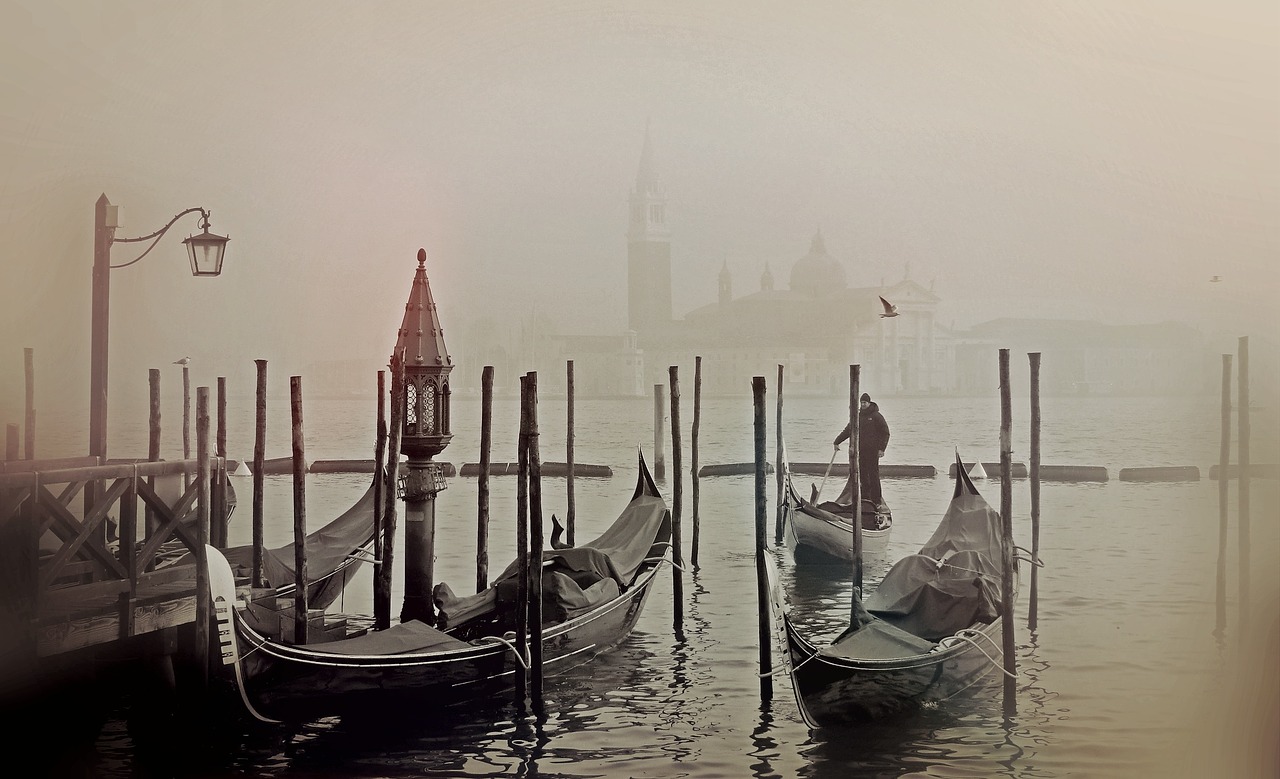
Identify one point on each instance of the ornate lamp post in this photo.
(424, 434)
(205, 253)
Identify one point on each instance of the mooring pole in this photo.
(762, 518)
(204, 608)
(28, 360)
(382, 586)
(693, 464)
(535, 551)
(299, 514)
(379, 478)
(780, 467)
(219, 527)
(482, 491)
(1006, 518)
(522, 543)
(571, 510)
(677, 479)
(259, 457)
(856, 610)
(659, 411)
(153, 441)
(1032, 609)
(1224, 462)
(1242, 460)
(186, 419)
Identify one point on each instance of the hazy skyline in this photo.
(1086, 161)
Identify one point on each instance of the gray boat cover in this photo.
(402, 638)
(954, 582)
(574, 580)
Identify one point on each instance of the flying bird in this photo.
(183, 361)
(1215, 278)
(889, 308)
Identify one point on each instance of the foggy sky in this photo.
(1081, 160)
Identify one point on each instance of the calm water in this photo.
(1122, 678)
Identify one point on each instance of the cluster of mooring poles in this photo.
(1242, 472)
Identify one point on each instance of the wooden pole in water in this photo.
(1242, 461)
(1034, 359)
(855, 475)
(1006, 518)
(522, 542)
(28, 360)
(535, 550)
(677, 492)
(659, 411)
(778, 469)
(482, 509)
(218, 526)
(259, 457)
(571, 512)
(186, 419)
(1224, 462)
(203, 601)
(762, 514)
(299, 514)
(382, 586)
(12, 441)
(693, 464)
(153, 441)
(379, 478)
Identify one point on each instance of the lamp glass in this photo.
(205, 252)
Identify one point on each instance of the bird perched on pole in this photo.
(184, 361)
(889, 309)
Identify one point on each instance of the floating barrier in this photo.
(1019, 470)
(1256, 471)
(548, 469)
(1073, 473)
(364, 466)
(1161, 473)
(733, 469)
(886, 471)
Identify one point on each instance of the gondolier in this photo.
(873, 439)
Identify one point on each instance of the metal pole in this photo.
(1006, 517)
(101, 318)
(762, 513)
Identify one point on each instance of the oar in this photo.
(825, 475)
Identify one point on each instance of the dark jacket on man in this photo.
(873, 439)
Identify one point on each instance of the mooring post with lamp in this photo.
(424, 434)
(205, 252)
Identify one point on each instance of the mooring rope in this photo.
(519, 655)
(967, 634)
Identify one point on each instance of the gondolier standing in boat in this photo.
(873, 438)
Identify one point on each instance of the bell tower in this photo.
(648, 250)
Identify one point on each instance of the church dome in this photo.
(817, 272)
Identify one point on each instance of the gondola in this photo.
(592, 597)
(932, 626)
(823, 532)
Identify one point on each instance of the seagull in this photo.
(183, 361)
(889, 309)
(1215, 279)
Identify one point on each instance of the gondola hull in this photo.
(292, 683)
(832, 690)
(819, 536)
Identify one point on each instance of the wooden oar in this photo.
(825, 475)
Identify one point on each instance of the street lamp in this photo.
(205, 253)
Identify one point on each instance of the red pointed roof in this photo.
(421, 338)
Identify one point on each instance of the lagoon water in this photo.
(1123, 677)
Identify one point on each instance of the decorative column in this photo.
(424, 434)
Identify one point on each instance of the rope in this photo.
(967, 635)
(519, 656)
(785, 668)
